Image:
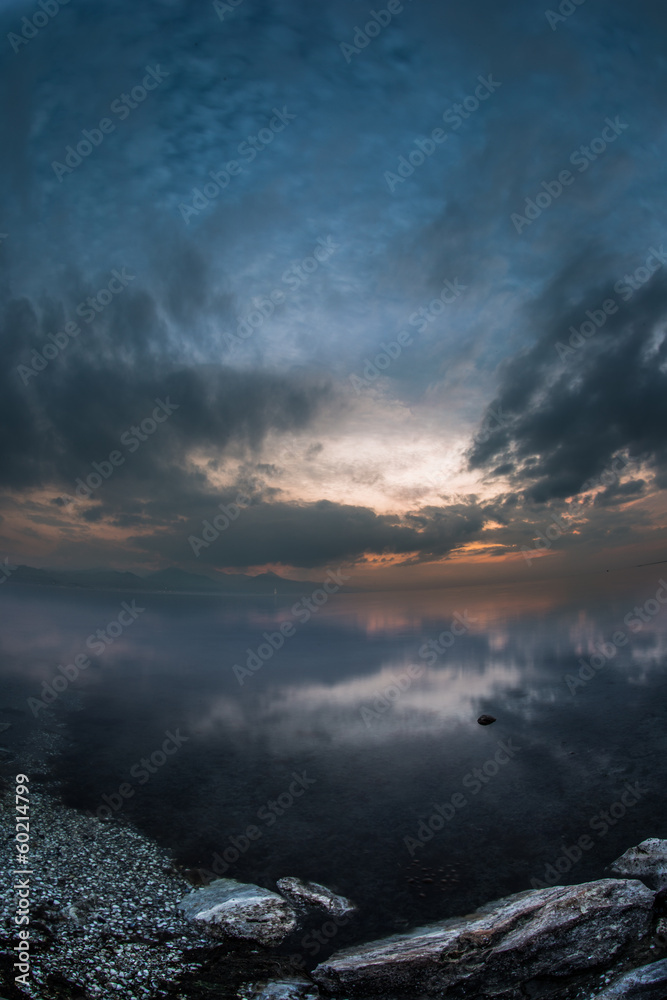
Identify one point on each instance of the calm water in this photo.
(369, 778)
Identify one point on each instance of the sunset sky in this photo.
(370, 203)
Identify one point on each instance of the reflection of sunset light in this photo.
(448, 693)
(389, 612)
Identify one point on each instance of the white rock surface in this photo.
(226, 908)
(522, 945)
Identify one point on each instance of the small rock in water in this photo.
(227, 908)
(486, 720)
(305, 894)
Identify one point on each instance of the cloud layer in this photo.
(464, 443)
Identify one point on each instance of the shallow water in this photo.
(368, 778)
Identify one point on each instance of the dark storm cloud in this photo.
(77, 408)
(619, 493)
(313, 534)
(182, 528)
(568, 412)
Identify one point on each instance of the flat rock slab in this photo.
(307, 894)
(647, 861)
(647, 983)
(534, 939)
(226, 908)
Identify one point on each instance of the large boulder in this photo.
(647, 861)
(311, 894)
(647, 983)
(525, 944)
(226, 908)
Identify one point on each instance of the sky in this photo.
(389, 279)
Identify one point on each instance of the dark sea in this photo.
(352, 754)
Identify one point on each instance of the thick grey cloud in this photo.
(568, 412)
(310, 535)
(75, 411)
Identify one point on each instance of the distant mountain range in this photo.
(165, 581)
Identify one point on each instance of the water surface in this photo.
(339, 749)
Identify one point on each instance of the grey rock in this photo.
(306, 894)
(647, 983)
(647, 861)
(283, 989)
(486, 720)
(516, 946)
(226, 908)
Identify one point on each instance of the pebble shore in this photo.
(104, 922)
